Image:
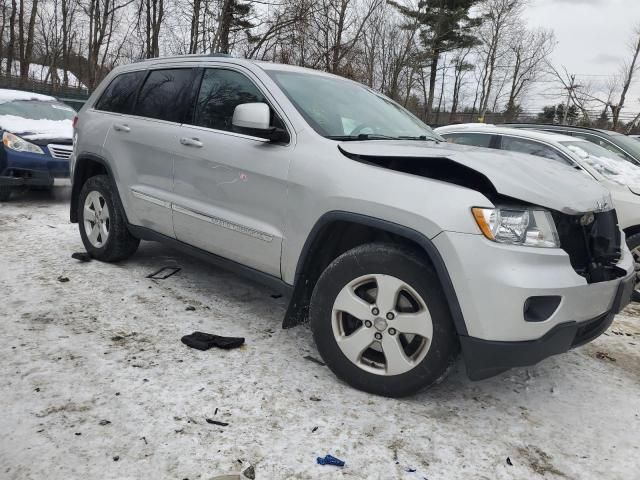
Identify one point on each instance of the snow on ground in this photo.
(105, 347)
(40, 72)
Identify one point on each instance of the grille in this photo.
(62, 152)
(594, 249)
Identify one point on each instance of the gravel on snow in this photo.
(96, 383)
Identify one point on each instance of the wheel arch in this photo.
(338, 231)
(88, 165)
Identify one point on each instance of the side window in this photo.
(220, 92)
(119, 96)
(163, 95)
(605, 144)
(531, 147)
(473, 139)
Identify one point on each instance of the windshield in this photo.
(341, 109)
(605, 162)
(37, 110)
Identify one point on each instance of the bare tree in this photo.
(529, 54)
(500, 18)
(626, 77)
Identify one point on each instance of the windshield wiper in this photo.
(362, 136)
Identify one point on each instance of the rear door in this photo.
(230, 188)
(143, 144)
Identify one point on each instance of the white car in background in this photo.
(621, 177)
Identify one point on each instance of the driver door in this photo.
(230, 189)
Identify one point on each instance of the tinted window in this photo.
(532, 148)
(220, 92)
(473, 139)
(164, 93)
(121, 93)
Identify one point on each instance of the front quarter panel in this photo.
(323, 180)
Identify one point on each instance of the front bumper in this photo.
(486, 358)
(31, 169)
(494, 283)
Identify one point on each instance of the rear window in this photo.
(164, 94)
(121, 93)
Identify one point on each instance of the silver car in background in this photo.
(400, 250)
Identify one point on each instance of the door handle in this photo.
(191, 142)
(121, 127)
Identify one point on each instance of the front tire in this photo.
(102, 223)
(380, 321)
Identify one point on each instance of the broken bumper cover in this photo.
(486, 358)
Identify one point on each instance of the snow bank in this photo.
(7, 95)
(39, 129)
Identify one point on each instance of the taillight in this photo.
(75, 121)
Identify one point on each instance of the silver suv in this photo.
(400, 249)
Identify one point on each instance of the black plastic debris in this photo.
(509, 462)
(104, 422)
(410, 470)
(315, 360)
(190, 308)
(330, 460)
(82, 256)
(314, 429)
(217, 422)
(63, 279)
(204, 341)
(314, 398)
(164, 273)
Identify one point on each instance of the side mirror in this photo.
(255, 119)
(251, 116)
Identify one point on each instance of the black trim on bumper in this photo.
(486, 358)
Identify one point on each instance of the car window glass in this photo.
(119, 96)
(163, 94)
(220, 93)
(603, 143)
(531, 147)
(473, 139)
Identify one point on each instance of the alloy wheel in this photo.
(96, 219)
(381, 324)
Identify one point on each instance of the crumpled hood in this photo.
(530, 179)
(40, 129)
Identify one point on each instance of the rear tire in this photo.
(391, 296)
(633, 242)
(102, 223)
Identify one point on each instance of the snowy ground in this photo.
(105, 347)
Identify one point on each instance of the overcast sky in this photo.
(592, 38)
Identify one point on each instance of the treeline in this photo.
(432, 56)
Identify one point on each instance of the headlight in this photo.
(18, 144)
(532, 228)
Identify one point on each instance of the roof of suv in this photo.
(223, 58)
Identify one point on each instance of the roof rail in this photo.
(218, 54)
